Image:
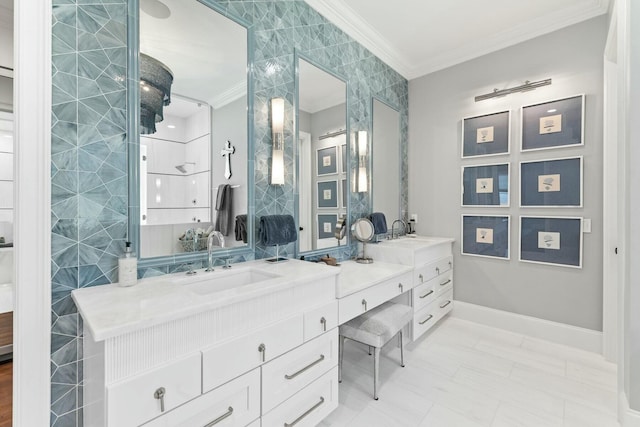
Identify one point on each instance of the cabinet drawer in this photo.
(443, 283)
(133, 401)
(309, 406)
(429, 271)
(231, 359)
(286, 375)
(320, 320)
(356, 304)
(234, 404)
(427, 292)
(424, 319)
(445, 303)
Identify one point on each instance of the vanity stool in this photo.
(375, 328)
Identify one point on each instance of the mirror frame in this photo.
(133, 145)
(297, 55)
(372, 153)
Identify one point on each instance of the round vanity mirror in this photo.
(362, 229)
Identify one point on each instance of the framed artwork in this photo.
(551, 183)
(327, 194)
(344, 193)
(485, 185)
(553, 124)
(551, 240)
(343, 157)
(326, 225)
(486, 236)
(486, 135)
(327, 161)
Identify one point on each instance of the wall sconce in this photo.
(362, 179)
(277, 134)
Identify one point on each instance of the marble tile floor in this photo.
(463, 374)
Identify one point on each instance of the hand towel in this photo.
(277, 230)
(379, 222)
(224, 206)
(241, 228)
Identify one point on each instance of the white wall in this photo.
(572, 57)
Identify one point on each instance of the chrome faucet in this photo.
(402, 232)
(220, 238)
(227, 263)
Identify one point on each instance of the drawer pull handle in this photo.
(310, 410)
(426, 320)
(263, 349)
(159, 394)
(364, 302)
(445, 283)
(221, 417)
(401, 287)
(324, 324)
(450, 264)
(427, 294)
(437, 270)
(421, 277)
(309, 366)
(445, 304)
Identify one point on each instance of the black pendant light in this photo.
(155, 92)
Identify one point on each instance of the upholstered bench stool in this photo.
(375, 328)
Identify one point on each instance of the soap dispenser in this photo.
(127, 267)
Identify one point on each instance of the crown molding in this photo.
(230, 95)
(340, 14)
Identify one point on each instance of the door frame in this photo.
(32, 212)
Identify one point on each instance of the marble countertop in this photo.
(111, 310)
(355, 277)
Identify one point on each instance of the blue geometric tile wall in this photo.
(88, 164)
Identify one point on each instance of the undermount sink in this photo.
(205, 283)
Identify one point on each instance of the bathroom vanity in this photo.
(254, 343)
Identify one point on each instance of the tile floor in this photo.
(467, 375)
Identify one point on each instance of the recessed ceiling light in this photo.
(155, 9)
(552, 110)
(171, 126)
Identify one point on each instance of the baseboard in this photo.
(584, 339)
(628, 417)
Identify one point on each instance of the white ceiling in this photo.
(417, 37)
(206, 51)
(317, 89)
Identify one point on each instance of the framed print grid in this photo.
(326, 225)
(327, 161)
(553, 124)
(551, 240)
(486, 236)
(327, 194)
(485, 185)
(486, 135)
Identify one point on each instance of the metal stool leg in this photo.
(376, 371)
(401, 351)
(340, 354)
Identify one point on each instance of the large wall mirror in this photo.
(194, 146)
(386, 149)
(323, 189)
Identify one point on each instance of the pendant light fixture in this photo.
(155, 92)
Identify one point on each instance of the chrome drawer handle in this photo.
(421, 277)
(309, 366)
(263, 349)
(159, 394)
(401, 287)
(221, 417)
(437, 270)
(427, 294)
(445, 304)
(310, 410)
(445, 283)
(426, 320)
(324, 324)
(364, 302)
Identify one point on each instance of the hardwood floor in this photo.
(467, 375)
(6, 398)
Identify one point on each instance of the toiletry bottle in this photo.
(127, 267)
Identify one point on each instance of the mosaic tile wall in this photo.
(88, 168)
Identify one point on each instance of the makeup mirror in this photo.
(363, 231)
(322, 156)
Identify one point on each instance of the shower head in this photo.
(182, 168)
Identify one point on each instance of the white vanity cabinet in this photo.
(239, 358)
(432, 262)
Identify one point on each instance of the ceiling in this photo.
(317, 89)
(417, 37)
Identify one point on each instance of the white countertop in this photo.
(354, 276)
(111, 310)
